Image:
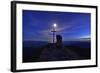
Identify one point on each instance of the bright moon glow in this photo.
(55, 25)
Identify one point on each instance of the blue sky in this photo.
(37, 25)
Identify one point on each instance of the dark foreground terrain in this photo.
(50, 52)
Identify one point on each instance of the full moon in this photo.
(55, 25)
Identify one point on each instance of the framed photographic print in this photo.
(47, 36)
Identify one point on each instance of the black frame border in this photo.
(13, 35)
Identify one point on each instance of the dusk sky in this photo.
(37, 25)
